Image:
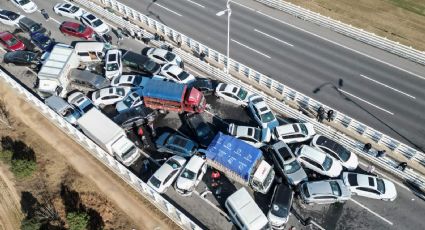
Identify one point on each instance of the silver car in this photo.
(324, 192)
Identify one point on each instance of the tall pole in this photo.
(229, 12)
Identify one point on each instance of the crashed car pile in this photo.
(135, 89)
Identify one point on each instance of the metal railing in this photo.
(348, 30)
(114, 11)
(141, 187)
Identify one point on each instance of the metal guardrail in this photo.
(141, 187)
(108, 7)
(348, 30)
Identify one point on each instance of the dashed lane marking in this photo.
(369, 103)
(165, 8)
(374, 213)
(387, 86)
(275, 38)
(252, 49)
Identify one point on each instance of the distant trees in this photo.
(77, 220)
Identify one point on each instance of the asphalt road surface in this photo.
(406, 212)
(380, 89)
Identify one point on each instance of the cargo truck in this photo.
(240, 161)
(109, 136)
(171, 96)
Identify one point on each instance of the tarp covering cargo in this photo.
(234, 154)
(164, 90)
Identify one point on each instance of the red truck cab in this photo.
(171, 96)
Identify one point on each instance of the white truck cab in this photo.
(263, 177)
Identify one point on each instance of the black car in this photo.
(137, 116)
(8, 16)
(30, 26)
(280, 205)
(202, 131)
(205, 85)
(140, 63)
(22, 58)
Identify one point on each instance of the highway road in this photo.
(381, 90)
(406, 212)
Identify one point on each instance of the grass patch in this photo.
(6, 156)
(23, 168)
(415, 6)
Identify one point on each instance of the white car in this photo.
(191, 175)
(132, 99)
(176, 74)
(27, 6)
(294, 133)
(370, 186)
(127, 80)
(318, 161)
(261, 112)
(10, 18)
(253, 136)
(166, 174)
(233, 94)
(68, 10)
(109, 96)
(347, 158)
(95, 23)
(80, 101)
(162, 56)
(113, 63)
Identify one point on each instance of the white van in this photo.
(90, 51)
(244, 212)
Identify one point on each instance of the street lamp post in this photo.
(229, 12)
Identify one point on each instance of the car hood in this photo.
(352, 162)
(390, 190)
(184, 183)
(335, 169)
(297, 177)
(102, 28)
(18, 46)
(30, 6)
(277, 221)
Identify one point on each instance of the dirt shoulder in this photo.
(55, 148)
(398, 20)
(10, 211)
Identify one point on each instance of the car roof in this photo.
(283, 149)
(7, 12)
(246, 130)
(231, 89)
(312, 153)
(66, 5)
(283, 195)
(319, 187)
(288, 128)
(195, 163)
(71, 24)
(90, 16)
(363, 180)
(159, 52)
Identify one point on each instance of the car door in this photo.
(71, 31)
(64, 12)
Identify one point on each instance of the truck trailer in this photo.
(109, 136)
(240, 162)
(171, 96)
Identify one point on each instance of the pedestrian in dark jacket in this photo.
(380, 153)
(320, 114)
(330, 115)
(367, 147)
(402, 166)
(45, 14)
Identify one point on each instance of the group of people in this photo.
(321, 114)
(382, 153)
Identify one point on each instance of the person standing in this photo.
(320, 114)
(380, 153)
(45, 14)
(330, 115)
(367, 147)
(402, 166)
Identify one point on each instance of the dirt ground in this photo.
(64, 167)
(398, 20)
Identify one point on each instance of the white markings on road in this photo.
(249, 8)
(374, 213)
(165, 8)
(267, 56)
(387, 86)
(361, 99)
(335, 43)
(50, 18)
(275, 38)
(196, 3)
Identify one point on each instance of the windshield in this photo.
(202, 130)
(343, 153)
(120, 91)
(173, 163)
(12, 41)
(155, 182)
(336, 190)
(170, 56)
(74, 9)
(279, 210)
(128, 153)
(137, 80)
(12, 15)
(242, 94)
(257, 134)
(188, 174)
(45, 42)
(81, 28)
(327, 164)
(267, 117)
(380, 185)
(150, 66)
(97, 23)
(183, 75)
(111, 67)
(23, 2)
(304, 129)
(35, 27)
(292, 167)
(128, 101)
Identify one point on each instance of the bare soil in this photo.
(64, 167)
(398, 20)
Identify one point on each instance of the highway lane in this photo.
(353, 215)
(390, 100)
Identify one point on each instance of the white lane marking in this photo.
(275, 38)
(233, 40)
(361, 99)
(387, 86)
(196, 3)
(50, 18)
(249, 8)
(172, 11)
(335, 43)
(374, 213)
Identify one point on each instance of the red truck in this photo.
(171, 96)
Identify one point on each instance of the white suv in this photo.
(191, 175)
(318, 161)
(370, 186)
(294, 133)
(261, 112)
(253, 136)
(113, 64)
